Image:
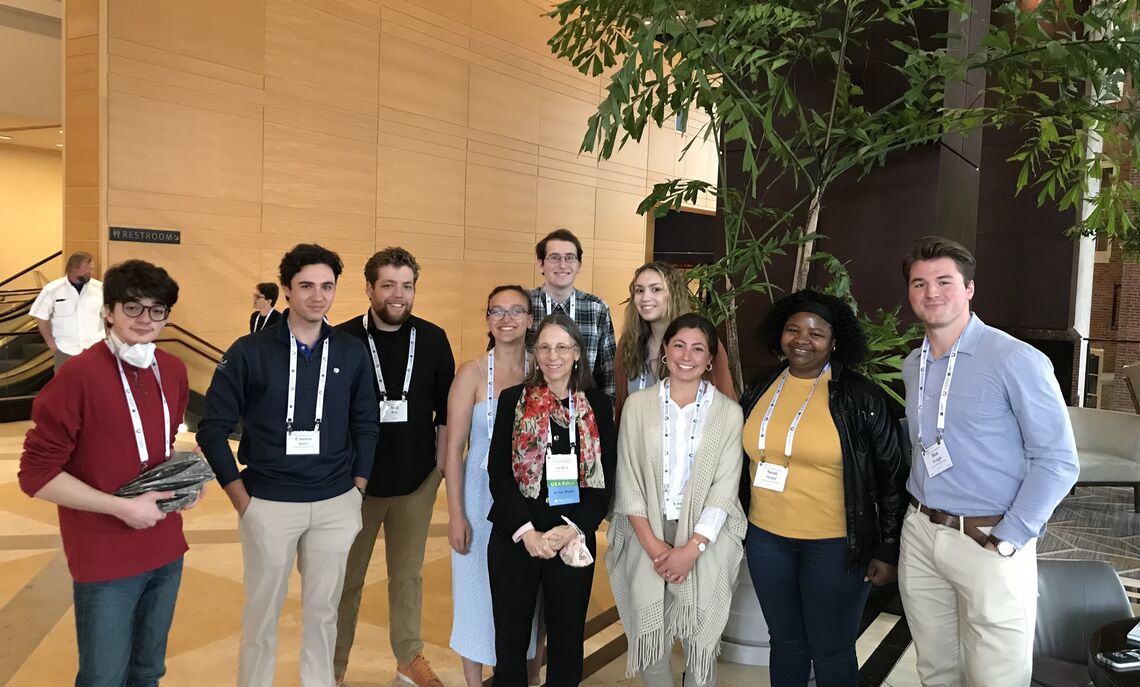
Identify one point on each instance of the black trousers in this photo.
(516, 579)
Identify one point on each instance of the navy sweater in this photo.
(252, 384)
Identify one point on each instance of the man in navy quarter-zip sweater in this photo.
(303, 392)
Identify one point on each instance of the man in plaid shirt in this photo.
(559, 260)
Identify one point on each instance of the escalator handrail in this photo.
(204, 354)
(198, 339)
(24, 271)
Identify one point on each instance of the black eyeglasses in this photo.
(158, 313)
(514, 312)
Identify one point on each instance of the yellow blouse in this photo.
(811, 505)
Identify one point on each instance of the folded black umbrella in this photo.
(185, 474)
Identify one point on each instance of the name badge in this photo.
(394, 411)
(303, 443)
(937, 459)
(673, 508)
(562, 479)
(771, 476)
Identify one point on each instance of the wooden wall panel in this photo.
(444, 126)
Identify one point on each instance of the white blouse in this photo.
(677, 465)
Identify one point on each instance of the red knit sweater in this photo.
(83, 427)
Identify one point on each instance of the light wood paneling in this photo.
(444, 126)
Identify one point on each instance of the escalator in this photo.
(26, 362)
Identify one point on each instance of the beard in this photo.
(83, 279)
(387, 318)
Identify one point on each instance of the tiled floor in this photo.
(37, 645)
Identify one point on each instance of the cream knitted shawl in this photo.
(697, 610)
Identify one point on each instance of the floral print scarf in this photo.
(531, 437)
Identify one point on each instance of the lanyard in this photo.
(320, 411)
(491, 387)
(136, 421)
(941, 423)
(795, 421)
(643, 378)
(573, 429)
(376, 362)
(550, 306)
(258, 325)
(694, 427)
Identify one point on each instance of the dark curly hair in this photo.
(850, 339)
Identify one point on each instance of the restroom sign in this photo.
(139, 235)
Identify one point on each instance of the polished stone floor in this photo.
(37, 645)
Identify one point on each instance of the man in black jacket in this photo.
(302, 392)
(412, 367)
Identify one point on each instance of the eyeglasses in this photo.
(259, 297)
(547, 349)
(499, 313)
(158, 313)
(568, 259)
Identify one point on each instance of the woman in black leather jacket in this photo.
(824, 505)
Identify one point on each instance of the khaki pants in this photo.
(274, 533)
(405, 520)
(971, 612)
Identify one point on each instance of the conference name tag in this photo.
(562, 479)
(673, 507)
(394, 411)
(303, 443)
(771, 476)
(937, 459)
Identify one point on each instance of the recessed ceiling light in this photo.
(61, 131)
(58, 145)
(5, 138)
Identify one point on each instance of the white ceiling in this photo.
(31, 85)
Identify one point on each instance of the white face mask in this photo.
(139, 355)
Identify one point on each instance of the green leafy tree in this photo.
(1059, 72)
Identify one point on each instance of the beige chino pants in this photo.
(318, 536)
(971, 611)
(406, 520)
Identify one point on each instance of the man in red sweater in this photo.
(110, 413)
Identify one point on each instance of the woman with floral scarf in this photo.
(551, 469)
(675, 541)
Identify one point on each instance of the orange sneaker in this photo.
(419, 673)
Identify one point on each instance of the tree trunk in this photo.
(803, 255)
(733, 345)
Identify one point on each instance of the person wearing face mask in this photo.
(68, 310)
(657, 295)
(551, 472)
(675, 540)
(110, 413)
(823, 485)
(412, 368)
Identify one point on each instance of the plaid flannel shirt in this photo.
(593, 317)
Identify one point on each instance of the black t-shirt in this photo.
(405, 452)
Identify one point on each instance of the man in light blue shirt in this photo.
(993, 455)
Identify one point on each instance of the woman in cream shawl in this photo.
(675, 540)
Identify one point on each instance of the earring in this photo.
(708, 368)
(662, 360)
(833, 346)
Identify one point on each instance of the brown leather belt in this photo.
(968, 525)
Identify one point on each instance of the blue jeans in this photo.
(121, 627)
(812, 605)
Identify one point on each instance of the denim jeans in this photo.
(813, 606)
(121, 627)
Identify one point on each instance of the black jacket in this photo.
(875, 462)
(511, 510)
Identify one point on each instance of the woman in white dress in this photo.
(471, 403)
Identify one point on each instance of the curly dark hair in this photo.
(850, 339)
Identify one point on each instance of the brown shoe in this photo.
(419, 673)
(339, 679)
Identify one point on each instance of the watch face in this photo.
(701, 547)
(1005, 548)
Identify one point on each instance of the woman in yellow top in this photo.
(825, 491)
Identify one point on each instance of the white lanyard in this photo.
(550, 306)
(258, 324)
(320, 411)
(136, 421)
(795, 421)
(643, 378)
(376, 362)
(573, 429)
(941, 422)
(694, 428)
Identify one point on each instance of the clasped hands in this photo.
(672, 564)
(547, 544)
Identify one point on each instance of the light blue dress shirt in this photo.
(1007, 431)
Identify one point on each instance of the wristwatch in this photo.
(1004, 548)
(701, 546)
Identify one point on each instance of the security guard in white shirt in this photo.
(68, 310)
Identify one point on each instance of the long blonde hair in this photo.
(636, 331)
